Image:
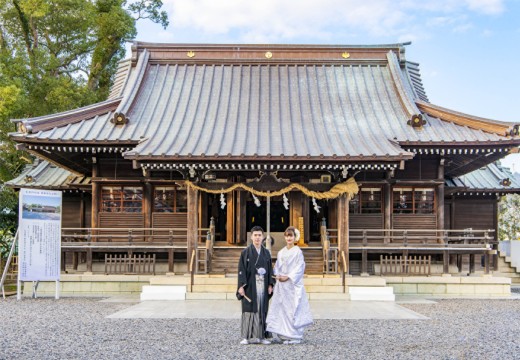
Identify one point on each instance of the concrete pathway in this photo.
(225, 309)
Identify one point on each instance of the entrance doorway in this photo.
(316, 218)
(257, 215)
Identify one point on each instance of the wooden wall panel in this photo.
(366, 221)
(70, 213)
(359, 222)
(88, 210)
(120, 221)
(415, 221)
(420, 168)
(170, 220)
(476, 214)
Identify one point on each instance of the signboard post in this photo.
(39, 237)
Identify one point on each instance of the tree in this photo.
(8, 219)
(509, 217)
(57, 55)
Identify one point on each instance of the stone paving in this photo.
(87, 328)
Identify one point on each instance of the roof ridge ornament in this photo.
(505, 182)
(417, 121)
(119, 119)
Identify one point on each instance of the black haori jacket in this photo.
(248, 264)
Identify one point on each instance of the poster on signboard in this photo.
(39, 235)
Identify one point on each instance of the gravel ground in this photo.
(76, 328)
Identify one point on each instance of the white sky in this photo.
(468, 50)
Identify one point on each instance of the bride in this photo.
(289, 312)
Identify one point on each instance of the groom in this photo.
(255, 287)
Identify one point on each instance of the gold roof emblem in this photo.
(190, 54)
(345, 55)
(268, 54)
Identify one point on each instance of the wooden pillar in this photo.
(332, 216)
(240, 219)
(148, 206)
(170, 260)
(471, 263)
(230, 221)
(452, 212)
(193, 226)
(495, 227)
(82, 210)
(343, 239)
(75, 255)
(295, 207)
(440, 198)
(305, 214)
(446, 262)
(89, 260)
(96, 196)
(388, 207)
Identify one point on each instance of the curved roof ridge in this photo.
(47, 122)
(413, 75)
(474, 122)
(140, 70)
(395, 71)
(121, 79)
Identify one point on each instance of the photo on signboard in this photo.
(41, 208)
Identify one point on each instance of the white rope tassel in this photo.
(285, 202)
(222, 201)
(257, 201)
(316, 206)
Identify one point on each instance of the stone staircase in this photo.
(225, 259)
(223, 287)
(507, 269)
(313, 260)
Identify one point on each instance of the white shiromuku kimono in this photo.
(289, 311)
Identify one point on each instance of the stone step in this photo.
(371, 293)
(232, 296)
(163, 292)
(215, 288)
(170, 280)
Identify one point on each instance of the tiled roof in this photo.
(306, 102)
(43, 174)
(492, 177)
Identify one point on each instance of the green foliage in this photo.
(8, 219)
(57, 55)
(509, 217)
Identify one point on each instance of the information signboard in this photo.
(39, 235)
